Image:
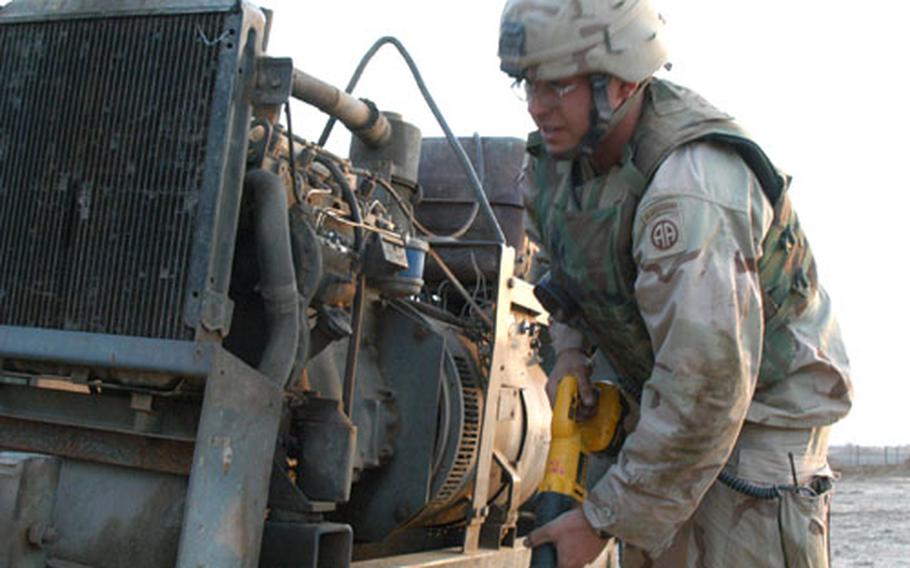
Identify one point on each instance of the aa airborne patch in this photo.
(663, 234)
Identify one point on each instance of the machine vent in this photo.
(470, 434)
(103, 132)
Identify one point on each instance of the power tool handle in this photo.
(549, 506)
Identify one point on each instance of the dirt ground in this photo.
(870, 519)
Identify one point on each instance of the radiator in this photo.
(114, 139)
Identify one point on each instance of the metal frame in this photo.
(232, 463)
(96, 350)
(207, 306)
(483, 531)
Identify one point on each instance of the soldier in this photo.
(672, 239)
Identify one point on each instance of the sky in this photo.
(821, 85)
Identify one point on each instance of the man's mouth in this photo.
(550, 131)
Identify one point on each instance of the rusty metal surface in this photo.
(157, 414)
(28, 485)
(111, 517)
(114, 448)
(232, 464)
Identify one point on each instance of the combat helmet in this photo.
(544, 40)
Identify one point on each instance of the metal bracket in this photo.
(216, 311)
(486, 454)
(500, 527)
(273, 82)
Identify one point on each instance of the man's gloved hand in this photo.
(574, 361)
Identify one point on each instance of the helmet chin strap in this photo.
(604, 118)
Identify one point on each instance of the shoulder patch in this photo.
(663, 230)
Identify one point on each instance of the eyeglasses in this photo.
(545, 93)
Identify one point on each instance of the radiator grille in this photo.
(103, 130)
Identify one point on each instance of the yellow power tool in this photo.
(574, 437)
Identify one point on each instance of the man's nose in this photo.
(536, 109)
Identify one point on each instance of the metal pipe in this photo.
(350, 367)
(361, 117)
(278, 283)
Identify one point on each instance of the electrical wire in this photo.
(428, 98)
(349, 197)
(409, 212)
(298, 195)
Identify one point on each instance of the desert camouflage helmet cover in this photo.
(544, 40)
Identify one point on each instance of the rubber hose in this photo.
(277, 282)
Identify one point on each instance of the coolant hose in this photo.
(277, 281)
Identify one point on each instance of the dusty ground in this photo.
(870, 519)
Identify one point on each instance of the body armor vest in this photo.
(586, 228)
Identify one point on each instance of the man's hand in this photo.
(572, 361)
(576, 541)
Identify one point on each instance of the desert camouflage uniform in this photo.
(697, 284)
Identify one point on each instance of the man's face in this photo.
(561, 109)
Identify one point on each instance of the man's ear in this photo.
(620, 90)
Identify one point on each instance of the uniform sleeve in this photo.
(696, 241)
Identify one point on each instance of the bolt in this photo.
(257, 134)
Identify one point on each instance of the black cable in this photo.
(428, 98)
(297, 193)
(353, 354)
(349, 198)
(750, 489)
(399, 202)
